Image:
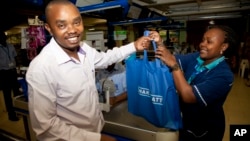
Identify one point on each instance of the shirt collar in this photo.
(212, 64)
(61, 55)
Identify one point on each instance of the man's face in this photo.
(65, 24)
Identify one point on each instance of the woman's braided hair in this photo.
(230, 37)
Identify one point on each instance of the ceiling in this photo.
(16, 12)
(20, 10)
(198, 9)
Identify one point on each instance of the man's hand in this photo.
(142, 43)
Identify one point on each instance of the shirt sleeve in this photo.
(214, 87)
(12, 50)
(184, 60)
(117, 54)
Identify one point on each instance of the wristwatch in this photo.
(175, 67)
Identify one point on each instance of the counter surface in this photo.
(119, 122)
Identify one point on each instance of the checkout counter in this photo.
(118, 121)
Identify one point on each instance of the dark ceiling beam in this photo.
(198, 2)
(169, 3)
(18, 12)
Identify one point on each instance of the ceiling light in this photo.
(99, 9)
(91, 29)
(135, 21)
(211, 22)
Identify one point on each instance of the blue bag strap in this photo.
(145, 56)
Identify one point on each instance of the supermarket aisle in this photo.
(237, 105)
(10, 128)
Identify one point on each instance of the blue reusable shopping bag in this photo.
(151, 92)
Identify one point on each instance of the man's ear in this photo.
(47, 27)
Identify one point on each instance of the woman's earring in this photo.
(221, 52)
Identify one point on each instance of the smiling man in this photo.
(63, 100)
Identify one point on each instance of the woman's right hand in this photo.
(154, 35)
(105, 137)
(165, 55)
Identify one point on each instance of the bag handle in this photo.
(145, 56)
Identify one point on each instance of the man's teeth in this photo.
(74, 39)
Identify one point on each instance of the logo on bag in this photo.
(143, 91)
(156, 99)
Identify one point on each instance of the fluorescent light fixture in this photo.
(146, 20)
(91, 29)
(220, 16)
(211, 22)
(104, 6)
(99, 9)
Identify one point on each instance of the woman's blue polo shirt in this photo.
(210, 88)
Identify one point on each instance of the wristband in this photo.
(175, 67)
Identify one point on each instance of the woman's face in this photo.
(212, 45)
(65, 25)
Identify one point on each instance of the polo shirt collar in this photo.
(212, 64)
